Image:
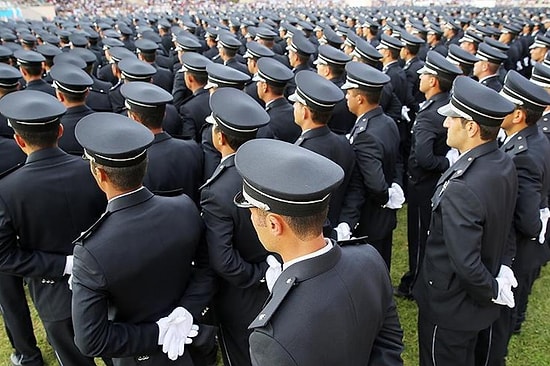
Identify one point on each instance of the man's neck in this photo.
(366, 109)
(268, 98)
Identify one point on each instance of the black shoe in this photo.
(517, 328)
(397, 291)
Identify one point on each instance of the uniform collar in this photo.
(129, 199)
(47, 153)
(225, 163)
(465, 160)
(160, 137)
(312, 133)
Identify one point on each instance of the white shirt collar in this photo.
(125, 194)
(317, 253)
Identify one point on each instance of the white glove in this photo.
(505, 295)
(405, 113)
(506, 272)
(452, 155)
(396, 197)
(343, 231)
(68, 265)
(70, 282)
(175, 331)
(544, 216)
(273, 272)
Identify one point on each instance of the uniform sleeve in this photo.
(266, 351)
(224, 258)
(462, 218)
(188, 122)
(526, 215)
(425, 138)
(368, 154)
(95, 334)
(22, 262)
(388, 345)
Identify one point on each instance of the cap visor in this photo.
(347, 85)
(258, 78)
(241, 202)
(293, 97)
(211, 120)
(425, 70)
(210, 85)
(448, 110)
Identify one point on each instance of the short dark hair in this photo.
(373, 97)
(412, 49)
(307, 227)
(445, 84)
(149, 57)
(336, 70)
(321, 117)
(41, 139)
(33, 70)
(531, 115)
(125, 178)
(230, 52)
(235, 142)
(276, 89)
(150, 117)
(201, 77)
(394, 53)
(486, 133)
(73, 98)
(303, 58)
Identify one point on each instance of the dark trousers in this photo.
(61, 337)
(17, 319)
(384, 248)
(502, 330)
(446, 347)
(234, 346)
(419, 213)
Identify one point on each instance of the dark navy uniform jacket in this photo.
(131, 269)
(193, 112)
(105, 73)
(342, 119)
(338, 149)
(440, 48)
(11, 154)
(98, 98)
(174, 167)
(355, 325)
(413, 81)
(429, 143)
(530, 152)
(40, 85)
(375, 140)
(116, 98)
(233, 63)
(179, 89)
(68, 142)
(172, 122)
(163, 78)
(492, 82)
(291, 85)
(44, 206)
(252, 90)
(472, 212)
(390, 103)
(398, 81)
(544, 125)
(236, 255)
(281, 124)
